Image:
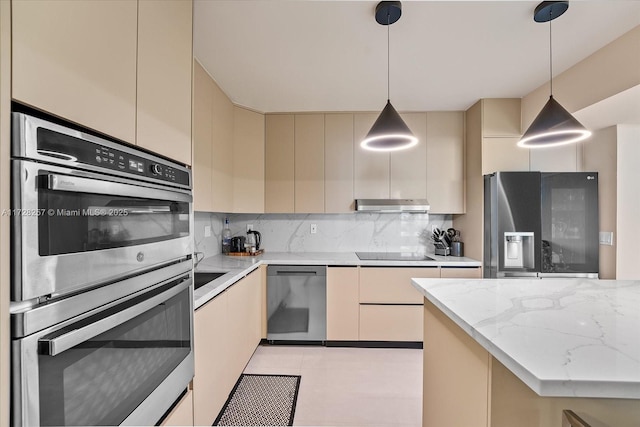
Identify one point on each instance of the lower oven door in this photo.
(124, 365)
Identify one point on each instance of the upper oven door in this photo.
(75, 230)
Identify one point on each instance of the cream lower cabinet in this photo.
(343, 304)
(461, 272)
(227, 330)
(390, 307)
(182, 413)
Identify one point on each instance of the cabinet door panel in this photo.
(202, 137)
(392, 285)
(309, 163)
(501, 117)
(279, 158)
(77, 60)
(445, 161)
(342, 303)
(213, 379)
(371, 168)
(391, 322)
(408, 173)
(338, 163)
(222, 151)
(248, 161)
(164, 78)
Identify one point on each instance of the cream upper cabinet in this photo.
(248, 161)
(222, 151)
(555, 159)
(338, 163)
(202, 138)
(501, 117)
(165, 57)
(77, 60)
(309, 163)
(371, 168)
(279, 163)
(445, 161)
(503, 154)
(408, 168)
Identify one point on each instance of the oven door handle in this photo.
(61, 343)
(58, 182)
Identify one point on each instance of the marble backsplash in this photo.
(374, 232)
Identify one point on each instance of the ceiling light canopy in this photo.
(389, 132)
(554, 125)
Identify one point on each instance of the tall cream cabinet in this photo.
(279, 163)
(338, 163)
(165, 54)
(77, 60)
(119, 67)
(309, 163)
(248, 161)
(222, 152)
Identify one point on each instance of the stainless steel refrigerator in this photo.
(539, 224)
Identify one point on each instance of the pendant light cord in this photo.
(388, 61)
(550, 55)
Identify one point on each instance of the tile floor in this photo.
(348, 386)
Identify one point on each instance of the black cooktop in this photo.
(392, 256)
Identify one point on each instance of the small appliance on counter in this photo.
(246, 246)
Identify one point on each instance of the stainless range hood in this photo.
(392, 205)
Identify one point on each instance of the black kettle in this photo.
(257, 236)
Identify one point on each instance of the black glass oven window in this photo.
(82, 222)
(101, 381)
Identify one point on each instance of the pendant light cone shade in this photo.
(552, 127)
(389, 132)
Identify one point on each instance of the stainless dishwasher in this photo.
(296, 303)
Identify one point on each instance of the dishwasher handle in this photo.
(296, 270)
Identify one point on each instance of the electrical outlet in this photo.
(314, 228)
(606, 238)
(207, 231)
(249, 227)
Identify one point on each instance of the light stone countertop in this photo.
(561, 337)
(236, 267)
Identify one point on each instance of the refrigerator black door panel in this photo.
(570, 222)
(518, 211)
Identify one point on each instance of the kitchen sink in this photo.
(202, 278)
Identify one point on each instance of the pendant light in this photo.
(389, 132)
(554, 125)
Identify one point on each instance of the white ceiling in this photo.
(275, 55)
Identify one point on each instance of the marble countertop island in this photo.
(561, 337)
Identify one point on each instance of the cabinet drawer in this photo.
(392, 285)
(461, 272)
(391, 322)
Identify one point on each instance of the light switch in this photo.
(606, 238)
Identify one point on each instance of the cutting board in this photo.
(256, 253)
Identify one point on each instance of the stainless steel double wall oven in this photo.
(101, 295)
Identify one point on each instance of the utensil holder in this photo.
(457, 249)
(442, 251)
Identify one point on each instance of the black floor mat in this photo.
(287, 319)
(261, 400)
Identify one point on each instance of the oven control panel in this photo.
(66, 147)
